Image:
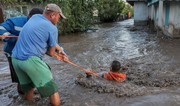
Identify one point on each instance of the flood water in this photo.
(153, 77)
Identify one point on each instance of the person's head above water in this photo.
(115, 66)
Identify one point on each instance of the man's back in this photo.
(37, 34)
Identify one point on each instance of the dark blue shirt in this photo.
(12, 27)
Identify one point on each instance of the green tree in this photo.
(8, 1)
(109, 9)
(128, 8)
(78, 13)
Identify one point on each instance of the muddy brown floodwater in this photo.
(153, 77)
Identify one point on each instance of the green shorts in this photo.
(33, 72)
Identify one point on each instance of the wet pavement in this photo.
(152, 78)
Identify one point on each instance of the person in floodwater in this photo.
(12, 27)
(38, 35)
(114, 73)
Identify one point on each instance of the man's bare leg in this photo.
(29, 94)
(55, 99)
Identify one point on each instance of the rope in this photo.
(4, 36)
(68, 61)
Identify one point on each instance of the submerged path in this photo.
(152, 79)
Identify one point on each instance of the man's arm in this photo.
(51, 51)
(6, 29)
(57, 50)
(60, 50)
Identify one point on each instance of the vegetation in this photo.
(128, 8)
(109, 9)
(79, 13)
(8, 1)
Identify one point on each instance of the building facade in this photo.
(164, 14)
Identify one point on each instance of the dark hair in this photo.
(35, 11)
(116, 65)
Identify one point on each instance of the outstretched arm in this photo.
(6, 29)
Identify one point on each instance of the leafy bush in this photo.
(109, 9)
(128, 8)
(79, 13)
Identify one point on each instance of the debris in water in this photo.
(101, 85)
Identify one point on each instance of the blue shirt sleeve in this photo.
(6, 26)
(52, 38)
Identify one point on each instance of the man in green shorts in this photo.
(38, 34)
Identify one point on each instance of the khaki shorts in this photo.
(33, 72)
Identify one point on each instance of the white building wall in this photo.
(157, 13)
(175, 14)
(163, 15)
(173, 28)
(141, 13)
(168, 20)
(154, 13)
(150, 12)
(156, 17)
(160, 15)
